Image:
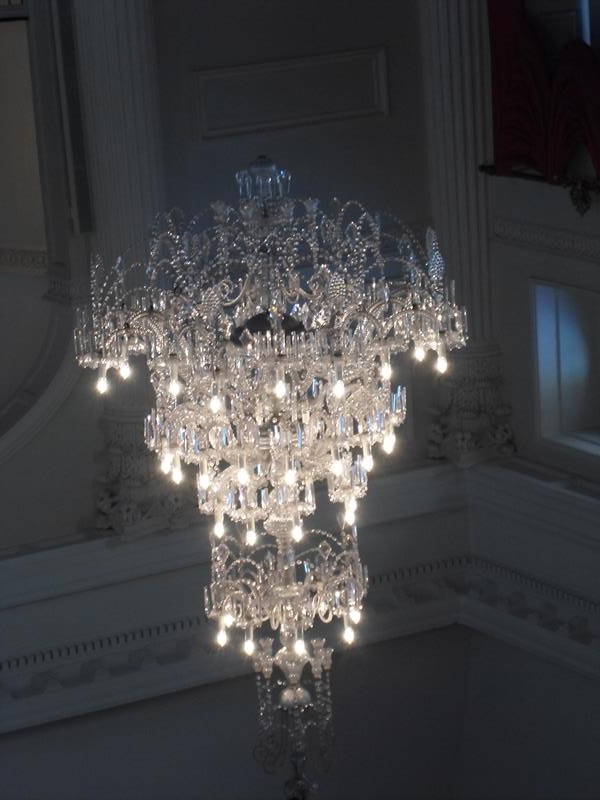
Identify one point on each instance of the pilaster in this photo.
(471, 421)
(117, 66)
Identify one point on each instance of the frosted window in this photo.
(568, 361)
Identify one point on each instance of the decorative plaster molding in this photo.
(498, 600)
(59, 289)
(471, 420)
(133, 499)
(30, 262)
(356, 87)
(539, 237)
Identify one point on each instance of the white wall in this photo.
(378, 159)
(445, 714)
(531, 729)
(398, 713)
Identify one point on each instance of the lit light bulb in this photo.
(228, 620)
(248, 647)
(243, 476)
(166, 463)
(297, 532)
(204, 480)
(419, 353)
(350, 517)
(389, 440)
(299, 647)
(290, 477)
(337, 467)
(280, 389)
(102, 384)
(368, 462)
(174, 387)
(125, 370)
(441, 364)
(348, 634)
(222, 638)
(351, 503)
(386, 371)
(355, 615)
(219, 529)
(251, 537)
(177, 474)
(339, 389)
(215, 404)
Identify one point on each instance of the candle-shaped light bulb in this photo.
(389, 441)
(337, 467)
(102, 382)
(251, 536)
(299, 647)
(339, 389)
(348, 634)
(222, 638)
(166, 462)
(419, 352)
(219, 527)
(280, 388)
(355, 615)
(386, 370)
(297, 532)
(215, 404)
(125, 370)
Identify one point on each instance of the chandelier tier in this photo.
(269, 336)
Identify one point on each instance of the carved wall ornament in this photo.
(540, 237)
(471, 420)
(133, 498)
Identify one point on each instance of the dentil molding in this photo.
(540, 237)
(78, 677)
(29, 262)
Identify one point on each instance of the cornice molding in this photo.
(554, 240)
(74, 678)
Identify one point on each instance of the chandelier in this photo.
(269, 335)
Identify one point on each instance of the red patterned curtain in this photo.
(543, 111)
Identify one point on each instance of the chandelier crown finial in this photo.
(263, 180)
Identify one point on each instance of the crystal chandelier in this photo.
(269, 335)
